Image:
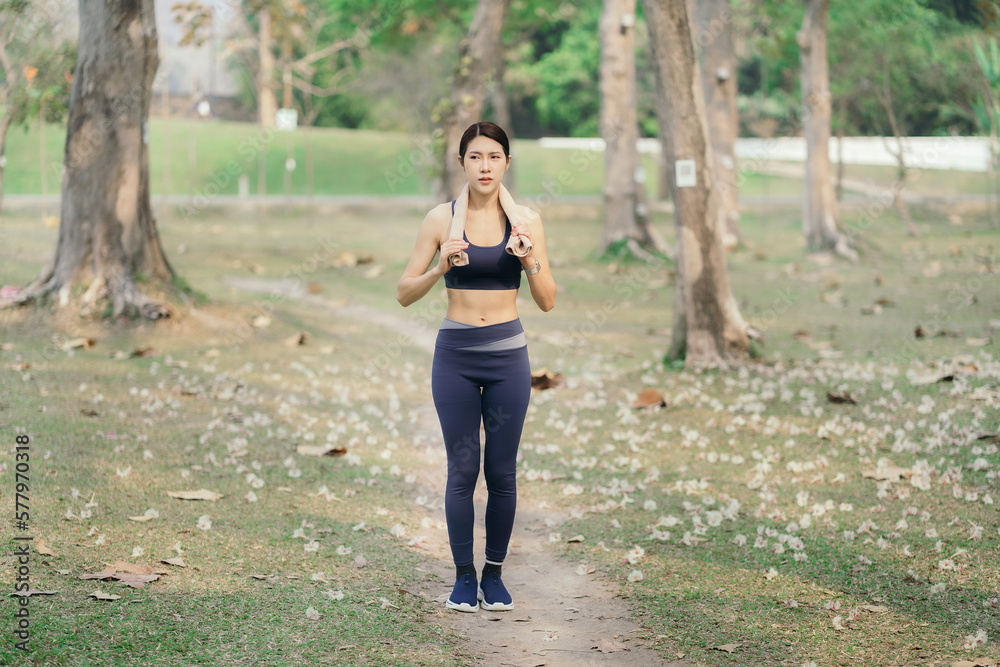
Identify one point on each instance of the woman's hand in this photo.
(449, 248)
(523, 230)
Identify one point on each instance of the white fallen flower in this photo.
(312, 614)
(137, 552)
(635, 555)
(204, 522)
(938, 588)
(311, 546)
(334, 595)
(397, 531)
(634, 576)
(976, 640)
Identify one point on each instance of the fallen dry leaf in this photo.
(130, 568)
(320, 450)
(728, 648)
(298, 339)
(875, 608)
(888, 473)
(801, 335)
(975, 662)
(101, 595)
(933, 378)
(525, 662)
(73, 343)
(179, 561)
(137, 352)
(136, 580)
(200, 494)
(545, 379)
(609, 646)
(144, 517)
(360, 561)
(128, 574)
(841, 398)
(985, 435)
(30, 592)
(977, 342)
(42, 548)
(576, 538)
(649, 398)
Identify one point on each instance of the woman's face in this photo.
(485, 164)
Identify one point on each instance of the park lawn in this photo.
(761, 437)
(199, 412)
(202, 159)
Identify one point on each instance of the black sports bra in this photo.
(489, 267)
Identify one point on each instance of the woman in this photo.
(480, 373)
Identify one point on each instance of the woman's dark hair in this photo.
(486, 129)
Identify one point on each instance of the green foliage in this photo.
(919, 45)
(569, 103)
(987, 107)
(42, 67)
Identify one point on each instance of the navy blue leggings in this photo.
(473, 387)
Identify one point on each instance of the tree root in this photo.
(35, 291)
(128, 298)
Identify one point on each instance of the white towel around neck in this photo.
(518, 245)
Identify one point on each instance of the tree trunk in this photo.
(267, 103)
(286, 73)
(839, 187)
(618, 125)
(501, 111)
(820, 215)
(885, 99)
(4, 126)
(107, 233)
(473, 79)
(718, 77)
(708, 328)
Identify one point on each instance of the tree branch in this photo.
(323, 53)
(307, 87)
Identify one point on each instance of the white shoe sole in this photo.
(497, 606)
(465, 606)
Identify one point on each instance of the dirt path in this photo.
(559, 617)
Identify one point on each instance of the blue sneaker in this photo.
(463, 595)
(493, 593)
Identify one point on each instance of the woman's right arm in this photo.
(417, 279)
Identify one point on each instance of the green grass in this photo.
(203, 159)
(199, 394)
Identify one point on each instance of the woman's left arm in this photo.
(542, 284)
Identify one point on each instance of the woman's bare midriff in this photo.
(482, 307)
